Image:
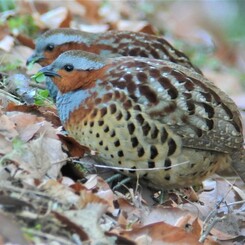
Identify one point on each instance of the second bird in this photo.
(112, 43)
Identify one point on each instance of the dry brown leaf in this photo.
(39, 158)
(74, 149)
(7, 127)
(49, 113)
(105, 192)
(162, 233)
(67, 21)
(72, 226)
(26, 124)
(92, 181)
(92, 10)
(26, 41)
(59, 191)
(87, 197)
(160, 213)
(149, 29)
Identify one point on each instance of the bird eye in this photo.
(69, 67)
(50, 47)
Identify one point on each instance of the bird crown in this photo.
(61, 36)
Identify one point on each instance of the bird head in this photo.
(75, 70)
(54, 42)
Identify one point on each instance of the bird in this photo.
(112, 43)
(152, 119)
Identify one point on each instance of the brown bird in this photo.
(154, 119)
(112, 43)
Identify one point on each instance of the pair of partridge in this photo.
(157, 120)
(112, 43)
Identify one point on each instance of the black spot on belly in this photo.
(120, 153)
(171, 147)
(146, 128)
(94, 113)
(141, 151)
(113, 133)
(154, 152)
(128, 116)
(167, 164)
(134, 141)
(132, 171)
(140, 119)
(154, 133)
(164, 135)
(100, 122)
(106, 129)
(131, 128)
(103, 111)
(113, 108)
(119, 116)
(117, 143)
(151, 164)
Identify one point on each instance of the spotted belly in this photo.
(141, 147)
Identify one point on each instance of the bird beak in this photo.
(47, 71)
(34, 59)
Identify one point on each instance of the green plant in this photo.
(23, 24)
(6, 5)
(41, 96)
(4, 68)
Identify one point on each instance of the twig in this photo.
(50, 237)
(37, 85)
(209, 223)
(140, 169)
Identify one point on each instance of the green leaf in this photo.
(39, 77)
(41, 97)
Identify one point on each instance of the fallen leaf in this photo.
(39, 158)
(7, 43)
(54, 17)
(74, 149)
(162, 233)
(89, 218)
(26, 41)
(92, 10)
(49, 113)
